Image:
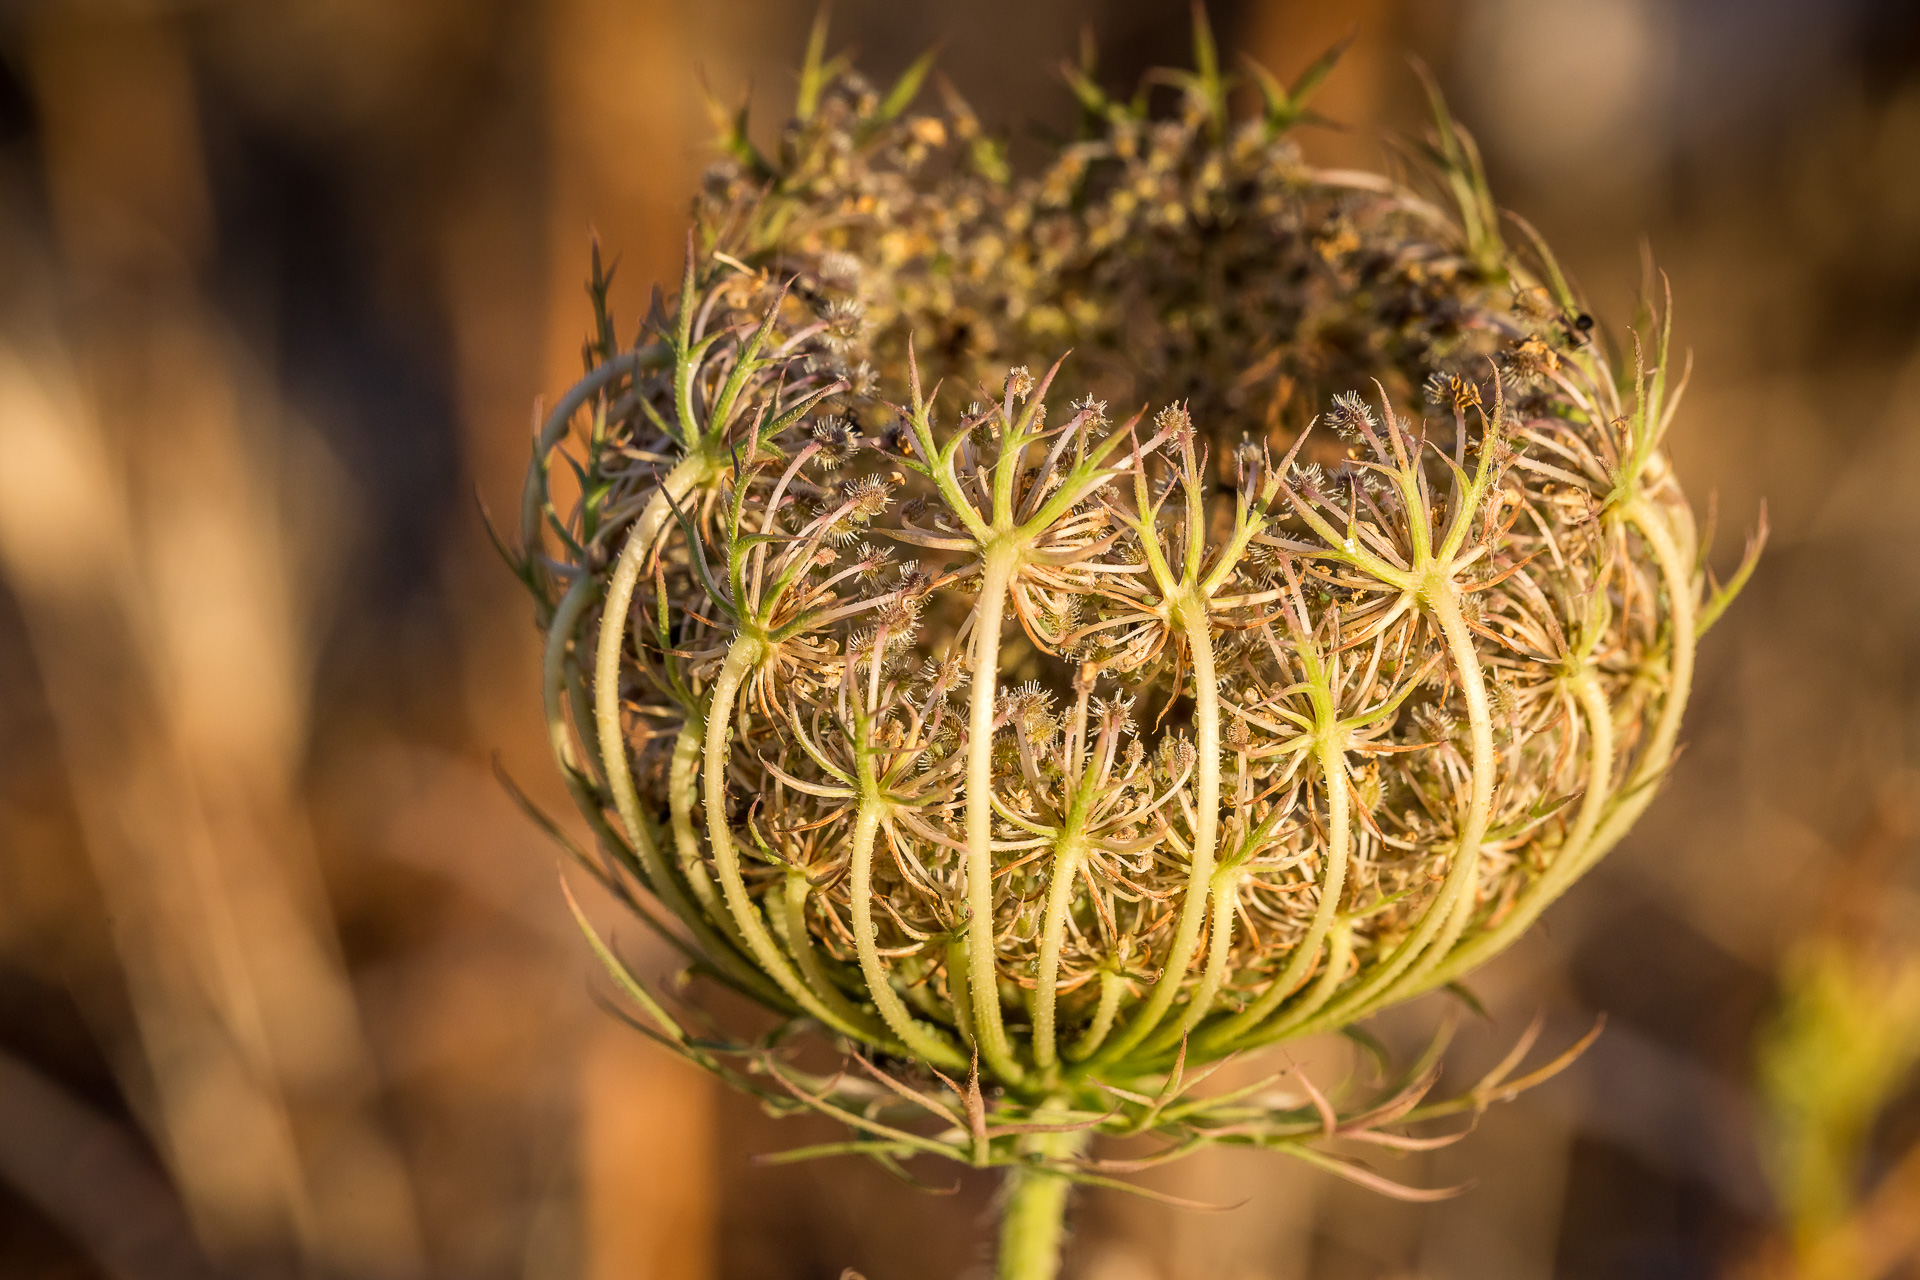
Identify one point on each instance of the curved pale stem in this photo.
(562, 635)
(959, 993)
(1112, 987)
(1598, 714)
(1605, 817)
(553, 679)
(1333, 880)
(828, 1005)
(1577, 852)
(1225, 897)
(983, 976)
(553, 672)
(1447, 915)
(613, 739)
(1339, 955)
(533, 494)
(1677, 574)
(1625, 808)
(924, 1042)
(1067, 858)
(798, 938)
(1473, 685)
(683, 789)
(1332, 974)
(1206, 831)
(692, 470)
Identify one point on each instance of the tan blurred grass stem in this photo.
(151, 531)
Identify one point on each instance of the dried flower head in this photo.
(1133, 771)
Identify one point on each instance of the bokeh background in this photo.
(287, 988)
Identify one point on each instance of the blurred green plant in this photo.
(1839, 1050)
(1844, 1042)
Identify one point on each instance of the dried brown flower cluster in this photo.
(1185, 260)
(1006, 733)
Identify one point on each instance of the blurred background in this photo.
(287, 988)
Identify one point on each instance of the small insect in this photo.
(1577, 326)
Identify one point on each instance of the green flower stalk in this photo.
(1044, 756)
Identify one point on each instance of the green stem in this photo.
(1226, 896)
(1605, 817)
(533, 496)
(560, 679)
(1330, 753)
(683, 789)
(1206, 828)
(959, 994)
(560, 634)
(612, 734)
(796, 935)
(1440, 925)
(1473, 685)
(1033, 1221)
(829, 1006)
(1112, 987)
(983, 975)
(692, 470)
(1576, 854)
(1677, 573)
(1599, 717)
(1068, 852)
(1067, 857)
(926, 1043)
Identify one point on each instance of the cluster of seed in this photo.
(1259, 727)
(1183, 260)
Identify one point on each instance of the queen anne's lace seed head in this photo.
(1378, 621)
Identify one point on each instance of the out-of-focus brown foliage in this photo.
(285, 982)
